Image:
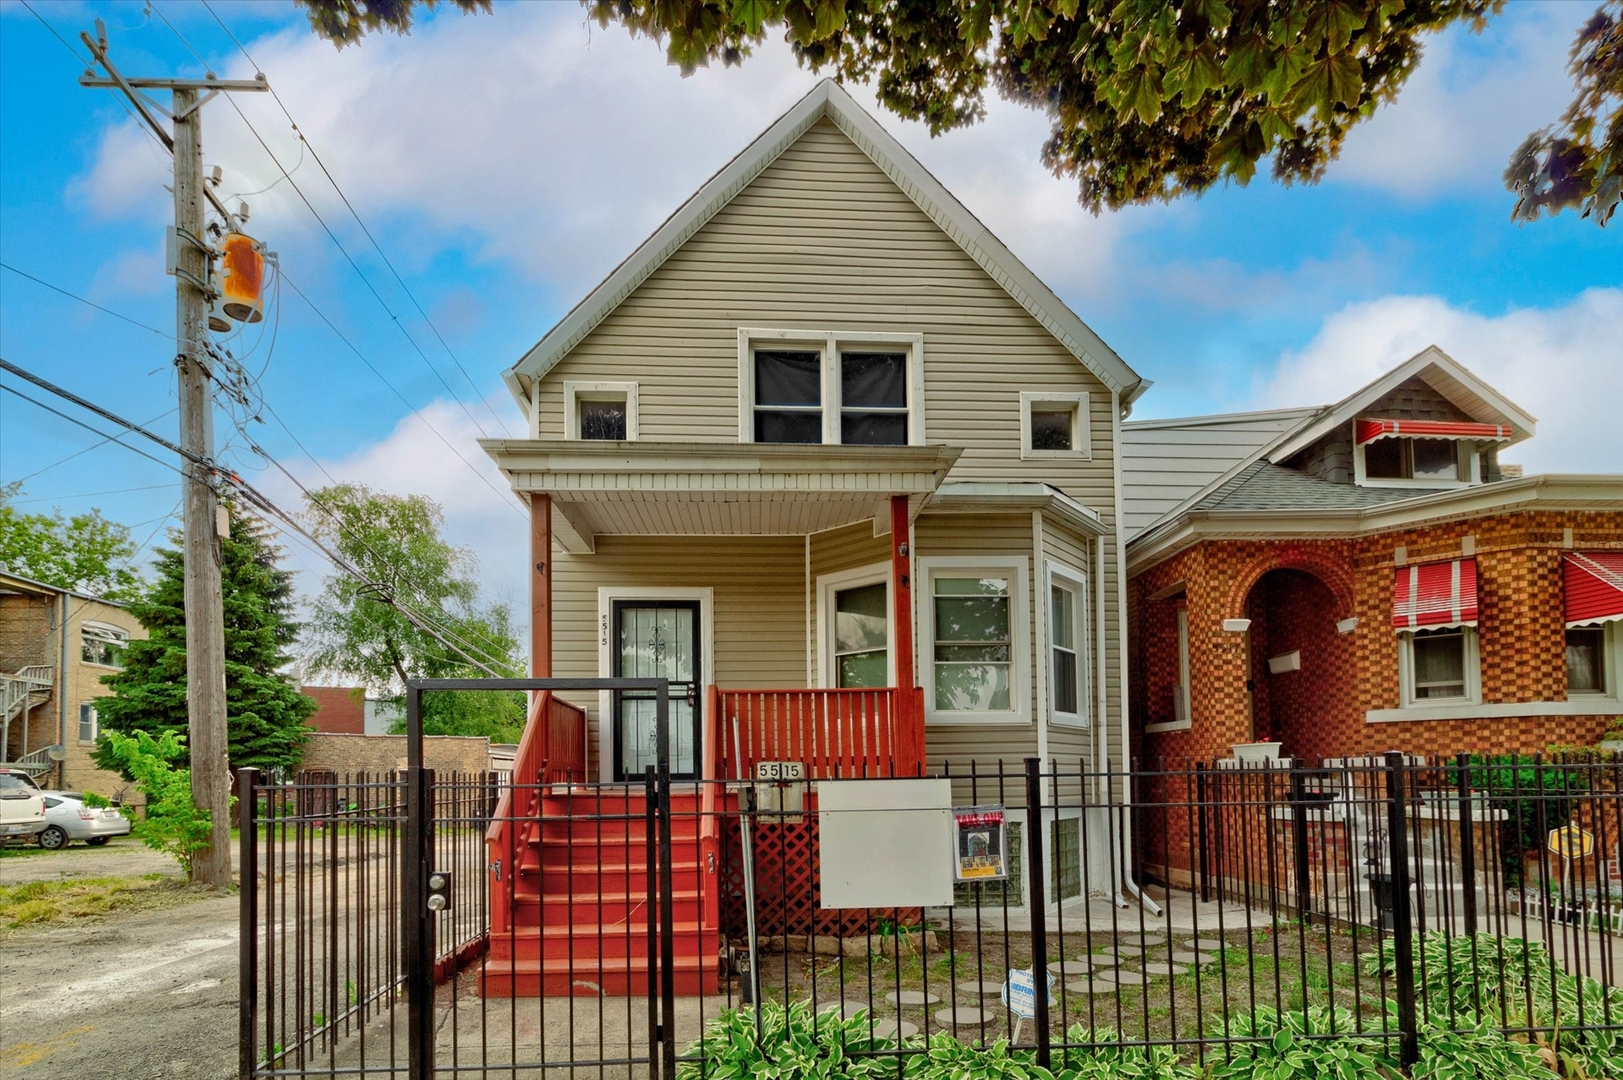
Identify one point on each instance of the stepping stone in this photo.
(848, 1009)
(912, 997)
(1206, 944)
(1104, 959)
(1185, 956)
(1074, 966)
(1124, 950)
(983, 988)
(1132, 978)
(1101, 983)
(1161, 967)
(1149, 941)
(964, 1016)
(894, 1029)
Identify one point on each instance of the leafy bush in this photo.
(1478, 1053)
(1534, 797)
(794, 1042)
(1107, 1059)
(174, 824)
(1319, 1044)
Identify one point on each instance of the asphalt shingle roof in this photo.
(1265, 486)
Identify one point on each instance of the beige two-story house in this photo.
(823, 435)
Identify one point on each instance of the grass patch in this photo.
(42, 903)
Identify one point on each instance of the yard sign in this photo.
(980, 841)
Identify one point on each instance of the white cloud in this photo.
(535, 138)
(1563, 365)
(1467, 106)
(481, 513)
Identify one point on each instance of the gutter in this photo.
(1121, 656)
(62, 700)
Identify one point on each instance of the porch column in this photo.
(901, 573)
(540, 586)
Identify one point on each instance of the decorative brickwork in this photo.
(1320, 710)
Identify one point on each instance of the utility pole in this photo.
(205, 620)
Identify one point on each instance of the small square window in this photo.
(1586, 660)
(1054, 425)
(603, 419)
(1051, 428)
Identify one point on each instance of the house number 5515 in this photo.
(604, 630)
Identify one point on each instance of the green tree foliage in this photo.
(172, 822)
(85, 553)
(265, 713)
(416, 616)
(1578, 161)
(1148, 100)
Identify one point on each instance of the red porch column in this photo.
(901, 574)
(540, 586)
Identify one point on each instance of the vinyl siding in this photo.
(758, 585)
(824, 240)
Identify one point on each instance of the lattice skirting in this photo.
(786, 892)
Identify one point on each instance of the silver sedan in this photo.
(68, 818)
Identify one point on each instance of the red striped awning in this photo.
(1368, 430)
(1435, 594)
(1593, 584)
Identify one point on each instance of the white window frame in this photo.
(829, 343)
(1468, 452)
(1076, 582)
(95, 723)
(1081, 425)
(1473, 670)
(576, 392)
(1015, 567)
(1186, 721)
(827, 586)
(1611, 662)
(104, 632)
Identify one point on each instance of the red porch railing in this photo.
(552, 749)
(851, 733)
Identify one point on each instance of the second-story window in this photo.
(852, 388)
(103, 645)
(873, 398)
(1412, 459)
(788, 396)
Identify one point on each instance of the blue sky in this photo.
(505, 163)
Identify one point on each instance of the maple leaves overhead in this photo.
(1148, 99)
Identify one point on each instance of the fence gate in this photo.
(418, 924)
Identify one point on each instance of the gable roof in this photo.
(1436, 369)
(829, 100)
(1164, 463)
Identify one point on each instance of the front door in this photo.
(657, 639)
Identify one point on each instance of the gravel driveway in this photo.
(144, 996)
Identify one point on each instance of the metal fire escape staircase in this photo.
(20, 694)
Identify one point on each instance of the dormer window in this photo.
(1422, 453)
(855, 388)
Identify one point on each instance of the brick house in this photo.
(55, 645)
(1367, 577)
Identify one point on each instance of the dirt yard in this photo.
(130, 994)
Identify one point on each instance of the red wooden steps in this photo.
(580, 911)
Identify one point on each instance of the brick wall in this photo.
(1521, 634)
(383, 753)
(340, 710)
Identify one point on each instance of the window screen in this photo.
(861, 634)
(1439, 664)
(1066, 673)
(1434, 459)
(1051, 427)
(972, 644)
(1586, 651)
(788, 396)
(873, 398)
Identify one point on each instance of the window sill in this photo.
(1062, 455)
(1175, 725)
(1587, 705)
(104, 667)
(1069, 720)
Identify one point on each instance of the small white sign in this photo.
(1020, 993)
(780, 770)
(884, 843)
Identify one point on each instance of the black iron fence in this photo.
(1197, 910)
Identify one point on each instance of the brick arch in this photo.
(1335, 575)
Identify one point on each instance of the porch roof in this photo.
(722, 489)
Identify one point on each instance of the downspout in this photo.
(1121, 674)
(62, 700)
(1101, 727)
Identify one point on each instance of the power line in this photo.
(331, 235)
(86, 450)
(250, 494)
(304, 142)
(87, 494)
(88, 303)
(73, 420)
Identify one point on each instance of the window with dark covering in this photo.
(1412, 459)
(1051, 427)
(788, 396)
(1586, 660)
(873, 398)
(603, 419)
